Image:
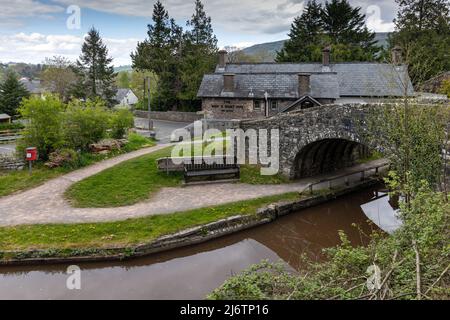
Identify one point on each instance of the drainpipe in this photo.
(266, 96)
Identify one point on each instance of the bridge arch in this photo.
(327, 155)
(320, 139)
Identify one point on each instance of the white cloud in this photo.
(35, 47)
(374, 21)
(14, 13)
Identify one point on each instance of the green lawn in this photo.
(125, 184)
(14, 181)
(138, 179)
(125, 233)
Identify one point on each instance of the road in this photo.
(163, 129)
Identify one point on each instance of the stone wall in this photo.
(301, 128)
(170, 116)
(223, 108)
(11, 163)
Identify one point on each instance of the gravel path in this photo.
(46, 204)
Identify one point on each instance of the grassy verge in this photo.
(125, 233)
(138, 179)
(125, 184)
(15, 181)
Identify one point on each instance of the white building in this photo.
(126, 98)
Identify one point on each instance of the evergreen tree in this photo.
(337, 24)
(97, 77)
(201, 33)
(304, 35)
(12, 91)
(161, 54)
(199, 56)
(423, 32)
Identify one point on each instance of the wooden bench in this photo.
(209, 170)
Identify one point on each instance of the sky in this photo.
(31, 30)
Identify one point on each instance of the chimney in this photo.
(326, 59)
(397, 56)
(304, 84)
(222, 59)
(228, 82)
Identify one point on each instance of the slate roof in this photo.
(33, 86)
(337, 80)
(4, 116)
(121, 94)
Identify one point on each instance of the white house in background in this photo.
(126, 98)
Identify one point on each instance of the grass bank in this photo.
(15, 181)
(138, 179)
(70, 238)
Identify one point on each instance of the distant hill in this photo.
(123, 68)
(271, 48)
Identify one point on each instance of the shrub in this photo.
(11, 126)
(85, 123)
(121, 121)
(446, 88)
(45, 126)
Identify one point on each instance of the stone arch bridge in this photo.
(318, 140)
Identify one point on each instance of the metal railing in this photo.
(347, 176)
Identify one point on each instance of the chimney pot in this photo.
(326, 59)
(223, 59)
(304, 84)
(397, 55)
(228, 82)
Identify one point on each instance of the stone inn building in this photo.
(258, 90)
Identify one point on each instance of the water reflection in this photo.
(191, 273)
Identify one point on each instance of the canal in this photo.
(191, 273)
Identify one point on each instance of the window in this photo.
(257, 105)
(274, 105)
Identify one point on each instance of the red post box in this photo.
(32, 154)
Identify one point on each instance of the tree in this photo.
(161, 54)
(199, 55)
(44, 129)
(304, 35)
(336, 24)
(123, 80)
(97, 77)
(12, 91)
(59, 76)
(423, 31)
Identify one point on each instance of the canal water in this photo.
(191, 273)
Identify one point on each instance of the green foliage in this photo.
(336, 24)
(344, 274)
(11, 126)
(85, 123)
(123, 80)
(121, 121)
(411, 136)
(179, 59)
(95, 72)
(11, 94)
(136, 142)
(446, 88)
(44, 129)
(423, 31)
(59, 77)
